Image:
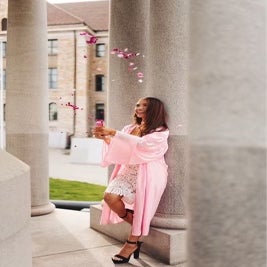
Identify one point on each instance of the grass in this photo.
(61, 189)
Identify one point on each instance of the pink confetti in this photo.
(140, 75)
(125, 54)
(99, 123)
(90, 39)
(73, 106)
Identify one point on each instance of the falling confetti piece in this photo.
(140, 75)
(89, 39)
(73, 106)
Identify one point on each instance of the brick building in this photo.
(77, 71)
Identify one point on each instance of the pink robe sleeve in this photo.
(125, 148)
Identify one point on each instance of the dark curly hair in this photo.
(155, 117)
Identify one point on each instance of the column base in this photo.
(42, 209)
(168, 245)
(169, 221)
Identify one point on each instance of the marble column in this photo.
(227, 133)
(27, 95)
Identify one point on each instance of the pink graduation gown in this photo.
(147, 151)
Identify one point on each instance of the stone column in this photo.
(158, 31)
(227, 115)
(27, 95)
(129, 32)
(168, 56)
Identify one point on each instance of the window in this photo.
(4, 49)
(4, 112)
(4, 79)
(99, 112)
(52, 111)
(52, 78)
(99, 83)
(52, 46)
(100, 50)
(4, 24)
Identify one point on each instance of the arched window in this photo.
(52, 111)
(4, 24)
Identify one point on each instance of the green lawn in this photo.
(61, 189)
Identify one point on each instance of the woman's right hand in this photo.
(103, 133)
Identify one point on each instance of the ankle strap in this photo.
(131, 242)
(124, 216)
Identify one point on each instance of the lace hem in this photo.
(123, 189)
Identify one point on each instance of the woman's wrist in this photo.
(112, 132)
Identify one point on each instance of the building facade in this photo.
(77, 69)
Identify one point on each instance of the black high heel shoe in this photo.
(123, 259)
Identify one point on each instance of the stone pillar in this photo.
(128, 31)
(168, 56)
(27, 95)
(15, 210)
(158, 30)
(227, 115)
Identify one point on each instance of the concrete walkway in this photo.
(64, 239)
(60, 166)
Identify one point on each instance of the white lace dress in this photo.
(124, 184)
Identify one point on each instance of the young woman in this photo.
(140, 173)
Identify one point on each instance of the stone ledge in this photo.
(168, 245)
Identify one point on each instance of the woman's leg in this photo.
(116, 204)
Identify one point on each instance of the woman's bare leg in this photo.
(116, 204)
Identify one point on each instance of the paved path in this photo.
(64, 239)
(60, 166)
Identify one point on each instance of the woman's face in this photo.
(141, 108)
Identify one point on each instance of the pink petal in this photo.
(140, 75)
